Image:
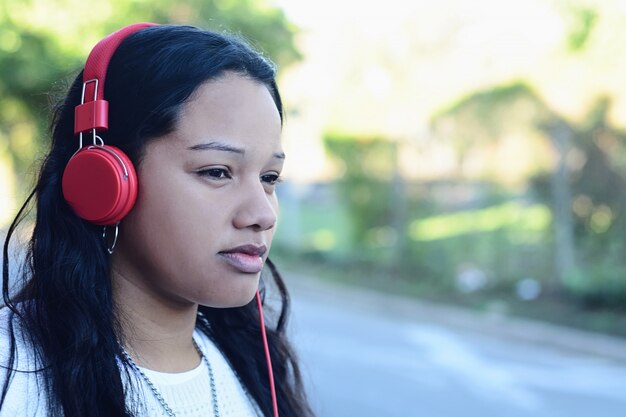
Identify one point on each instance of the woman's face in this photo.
(206, 210)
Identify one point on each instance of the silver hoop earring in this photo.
(104, 236)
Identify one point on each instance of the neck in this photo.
(156, 332)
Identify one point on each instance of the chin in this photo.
(239, 299)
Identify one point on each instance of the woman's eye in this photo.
(215, 173)
(271, 178)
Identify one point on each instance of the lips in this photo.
(246, 258)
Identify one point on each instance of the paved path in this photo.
(367, 354)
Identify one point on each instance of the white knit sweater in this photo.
(187, 393)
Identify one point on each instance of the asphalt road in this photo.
(364, 357)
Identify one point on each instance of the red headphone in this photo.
(99, 181)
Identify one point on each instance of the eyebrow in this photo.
(216, 146)
(219, 146)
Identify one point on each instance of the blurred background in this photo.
(454, 188)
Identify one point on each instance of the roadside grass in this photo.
(551, 308)
(323, 249)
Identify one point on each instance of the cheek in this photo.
(171, 246)
(162, 219)
(175, 217)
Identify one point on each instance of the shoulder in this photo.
(19, 368)
(14, 336)
(12, 333)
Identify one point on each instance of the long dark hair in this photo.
(66, 303)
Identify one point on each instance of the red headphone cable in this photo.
(267, 355)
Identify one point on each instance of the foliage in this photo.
(43, 44)
(582, 21)
(492, 122)
(599, 282)
(366, 186)
(494, 105)
(506, 236)
(485, 116)
(597, 180)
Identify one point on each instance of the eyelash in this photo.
(275, 179)
(222, 173)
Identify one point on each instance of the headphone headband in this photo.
(99, 182)
(92, 113)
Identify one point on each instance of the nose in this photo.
(257, 209)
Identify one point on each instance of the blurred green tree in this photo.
(483, 117)
(583, 188)
(43, 44)
(365, 187)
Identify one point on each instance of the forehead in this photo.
(230, 108)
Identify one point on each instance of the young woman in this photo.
(138, 296)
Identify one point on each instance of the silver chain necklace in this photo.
(158, 395)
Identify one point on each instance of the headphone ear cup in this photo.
(100, 184)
